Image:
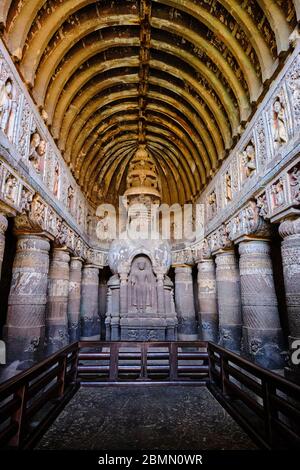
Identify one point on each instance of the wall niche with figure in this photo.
(140, 303)
(142, 292)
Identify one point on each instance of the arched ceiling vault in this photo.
(181, 76)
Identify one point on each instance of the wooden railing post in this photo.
(224, 374)
(269, 412)
(173, 361)
(75, 364)
(113, 362)
(18, 416)
(62, 375)
(144, 372)
(210, 364)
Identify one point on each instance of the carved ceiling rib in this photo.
(180, 75)
(183, 107)
(162, 112)
(178, 146)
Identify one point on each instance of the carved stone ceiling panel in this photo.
(181, 76)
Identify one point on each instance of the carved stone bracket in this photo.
(247, 223)
(97, 258)
(219, 240)
(183, 257)
(290, 227)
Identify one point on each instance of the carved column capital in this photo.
(248, 224)
(290, 227)
(202, 252)
(224, 257)
(182, 268)
(183, 257)
(219, 240)
(76, 260)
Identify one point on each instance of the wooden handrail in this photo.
(103, 364)
(25, 395)
(264, 403)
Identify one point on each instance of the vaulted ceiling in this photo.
(183, 76)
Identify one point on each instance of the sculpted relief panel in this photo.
(8, 107)
(32, 144)
(267, 145)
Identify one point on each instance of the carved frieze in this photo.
(293, 87)
(260, 135)
(25, 128)
(269, 138)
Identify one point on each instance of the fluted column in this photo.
(185, 308)
(229, 300)
(3, 227)
(89, 310)
(57, 304)
(290, 249)
(207, 295)
(25, 327)
(262, 335)
(74, 299)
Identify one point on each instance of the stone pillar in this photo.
(160, 294)
(57, 304)
(123, 293)
(113, 309)
(290, 249)
(25, 327)
(3, 227)
(229, 300)
(102, 302)
(262, 335)
(207, 295)
(185, 308)
(89, 310)
(74, 299)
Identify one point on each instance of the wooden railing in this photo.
(265, 404)
(139, 363)
(30, 401)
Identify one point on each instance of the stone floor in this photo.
(145, 418)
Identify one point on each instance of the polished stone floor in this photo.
(145, 418)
